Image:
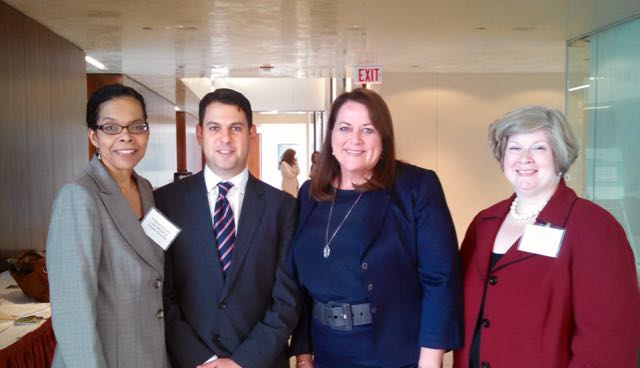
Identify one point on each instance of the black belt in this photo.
(342, 316)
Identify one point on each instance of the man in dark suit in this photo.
(229, 301)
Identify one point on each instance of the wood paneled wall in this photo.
(42, 130)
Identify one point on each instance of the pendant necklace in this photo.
(326, 251)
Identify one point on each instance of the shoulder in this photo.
(416, 179)
(592, 218)
(272, 194)
(408, 173)
(83, 188)
(182, 185)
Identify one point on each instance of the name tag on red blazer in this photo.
(542, 240)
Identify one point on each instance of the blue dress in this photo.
(337, 278)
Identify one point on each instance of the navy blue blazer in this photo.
(410, 266)
(248, 317)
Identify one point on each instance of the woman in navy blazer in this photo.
(532, 300)
(375, 252)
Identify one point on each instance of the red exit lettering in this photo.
(368, 75)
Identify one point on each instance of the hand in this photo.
(220, 363)
(304, 361)
(430, 358)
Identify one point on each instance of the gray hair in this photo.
(562, 139)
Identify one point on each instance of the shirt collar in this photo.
(239, 181)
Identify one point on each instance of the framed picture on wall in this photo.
(283, 147)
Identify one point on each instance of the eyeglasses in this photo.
(113, 128)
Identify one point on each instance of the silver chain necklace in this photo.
(326, 251)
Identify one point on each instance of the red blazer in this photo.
(581, 309)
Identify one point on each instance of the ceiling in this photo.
(157, 41)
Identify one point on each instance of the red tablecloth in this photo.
(33, 350)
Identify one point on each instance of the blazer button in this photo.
(364, 266)
(370, 287)
(223, 306)
(160, 314)
(485, 365)
(374, 309)
(493, 280)
(158, 283)
(216, 338)
(485, 323)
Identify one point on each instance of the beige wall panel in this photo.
(42, 93)
(16, 228)
(39, 163)
(441, 121)
(68, 96)
(6, 80)
(468, 103)
(74, 98)
(412, 99)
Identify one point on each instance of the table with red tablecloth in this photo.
(23, 345)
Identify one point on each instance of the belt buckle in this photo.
(346, 316)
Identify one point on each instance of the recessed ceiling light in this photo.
(182, 27)
(523, 28)
(95, 62)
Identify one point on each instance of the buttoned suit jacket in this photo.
(410, 267)
(105, 276)
(248, 317)
(577, 310)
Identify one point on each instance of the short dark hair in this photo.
(384, 173)
(106, 93)
(228, 97)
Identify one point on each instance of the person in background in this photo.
(375, 252)
(229, 299)
(105, 274)
(290, 171)
(549, 278)
(315, 158)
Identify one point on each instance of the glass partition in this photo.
(603, 102)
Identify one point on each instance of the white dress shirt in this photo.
(235, 196)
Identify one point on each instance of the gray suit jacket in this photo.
(249, 316)
(105, 277)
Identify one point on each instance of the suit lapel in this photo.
(122, 216)
(253, 207)
(555, 213)
(307, 204)
(378, 205)
(201, 224)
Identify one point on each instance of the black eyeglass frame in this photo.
(122, 128)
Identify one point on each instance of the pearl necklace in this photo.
(525, 216)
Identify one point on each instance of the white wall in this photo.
(282, 94)
(273, 134)
(441, 121)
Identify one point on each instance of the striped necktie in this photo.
(224, 227)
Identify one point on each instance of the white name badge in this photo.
(159, 228)
(543, 240)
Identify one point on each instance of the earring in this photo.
(98, 155)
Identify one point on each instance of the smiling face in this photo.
(120, 153)
(225, 138)
(529, 165)
(356, 143)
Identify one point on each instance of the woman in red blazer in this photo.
(549, 278)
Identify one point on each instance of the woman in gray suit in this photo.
(105, 274)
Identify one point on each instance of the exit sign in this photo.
(367, 74)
